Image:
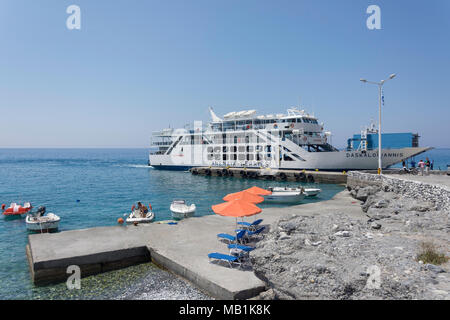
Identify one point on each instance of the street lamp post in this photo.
(380, 87)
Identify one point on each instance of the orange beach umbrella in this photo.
(236, 208)
(258, 191)
(245, 196)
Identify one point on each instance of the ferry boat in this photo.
(295, 140)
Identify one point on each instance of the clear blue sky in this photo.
(138, 66)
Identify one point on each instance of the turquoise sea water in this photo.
(106, 182)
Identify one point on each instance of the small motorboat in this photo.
(309, 192)
(284, 197)
(137, 217)
(286, 189)
(15, 210)
(41, 222)
(312, 192)
(181, 210)
(140, 214)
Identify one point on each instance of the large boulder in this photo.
(363, 193)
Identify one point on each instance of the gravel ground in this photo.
(336, 256)
(158, 284)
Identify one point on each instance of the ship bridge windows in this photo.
(308, 120)
(229, 126)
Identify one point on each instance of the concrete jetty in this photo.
(272, 174)
(94, 250)
(181, 249)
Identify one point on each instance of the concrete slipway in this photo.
(180, 248)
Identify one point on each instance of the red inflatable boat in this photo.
(15, 209)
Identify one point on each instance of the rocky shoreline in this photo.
(336, 255)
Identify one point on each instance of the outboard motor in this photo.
(40, 211)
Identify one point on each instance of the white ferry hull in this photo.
(332, 161)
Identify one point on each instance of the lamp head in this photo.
(363, 80)
(392, 76)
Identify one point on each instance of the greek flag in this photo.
(382, 96)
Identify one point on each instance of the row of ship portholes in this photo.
(238, 149)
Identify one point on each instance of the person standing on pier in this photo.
(427, 166)
(421, 165)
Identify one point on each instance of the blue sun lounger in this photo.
(237, 238)
(240, 251)
(251, 226)
(240, 247)
(251, 234)
(225, 257)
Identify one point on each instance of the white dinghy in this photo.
(285, 197)
(312, 192)
(41, 222)
(181, 210)
(137, 217)
(140, 214)
(309, 192)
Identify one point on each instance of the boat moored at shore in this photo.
(42, 222)
(180, 209)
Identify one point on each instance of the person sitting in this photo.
(143, 210)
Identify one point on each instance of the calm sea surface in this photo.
(94, 187)
(440, 156)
